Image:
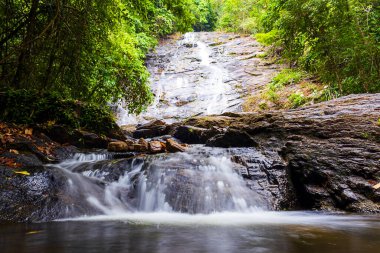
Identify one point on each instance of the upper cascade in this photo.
(188, 77)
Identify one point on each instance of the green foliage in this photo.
(33, 107)
(263, 105)
(337, 40)
(268, 38)
(246, 16)
(206, 15)
(297, 99)
(92, 51)
(287, 76)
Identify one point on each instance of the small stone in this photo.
(139, 148)
(143, 143)
(173, 146)
(156, 147)
(118, 146)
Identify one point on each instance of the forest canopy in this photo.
(338, 40)
(95, 51)
(87, 50)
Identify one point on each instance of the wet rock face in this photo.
(231, 138)
(202, 74)
(42, 196)
(330, 152)
(335, 173)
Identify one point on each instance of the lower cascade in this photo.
(199, 181)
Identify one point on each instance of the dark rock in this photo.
(195, 135)
(90, 140)
(42, 196)
(327, 156)
(190, 45)
(152, 129)
(78, 138)
(328, 165)
(162, 138)
(232, 138)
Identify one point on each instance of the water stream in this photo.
(196, 201)
(192, 82)
(199, 181)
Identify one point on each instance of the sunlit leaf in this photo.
(23, 172)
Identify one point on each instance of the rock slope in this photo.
(328, 152)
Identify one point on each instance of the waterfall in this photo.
(199, 181)
(187, 78)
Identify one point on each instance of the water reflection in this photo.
(121, 236)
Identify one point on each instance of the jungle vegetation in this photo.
(94, 51)
(337, 40)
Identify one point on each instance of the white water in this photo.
(185, 88)
(237, 219)
(198, 188)
(200, 181)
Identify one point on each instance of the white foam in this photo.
(234, 219)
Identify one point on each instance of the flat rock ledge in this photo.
(324, 157)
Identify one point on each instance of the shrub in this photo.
(33, 107)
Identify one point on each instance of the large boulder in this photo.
(151, 129)
(118, 146)
(78, 138)
(231, 138)
(330, 151)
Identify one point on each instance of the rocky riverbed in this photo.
(326, 156)
(321, 157)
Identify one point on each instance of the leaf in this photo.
(23, 172)
(29, 131)
(14, 151)
(9, 162)
(51, 123)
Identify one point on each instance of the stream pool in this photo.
(293, 232)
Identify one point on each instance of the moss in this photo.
(262, 55)
(368, 136)
(263, 105)
(289, 89)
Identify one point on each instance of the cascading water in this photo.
(189, 81)
(200, 181)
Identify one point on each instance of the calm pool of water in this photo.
(269, 232)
